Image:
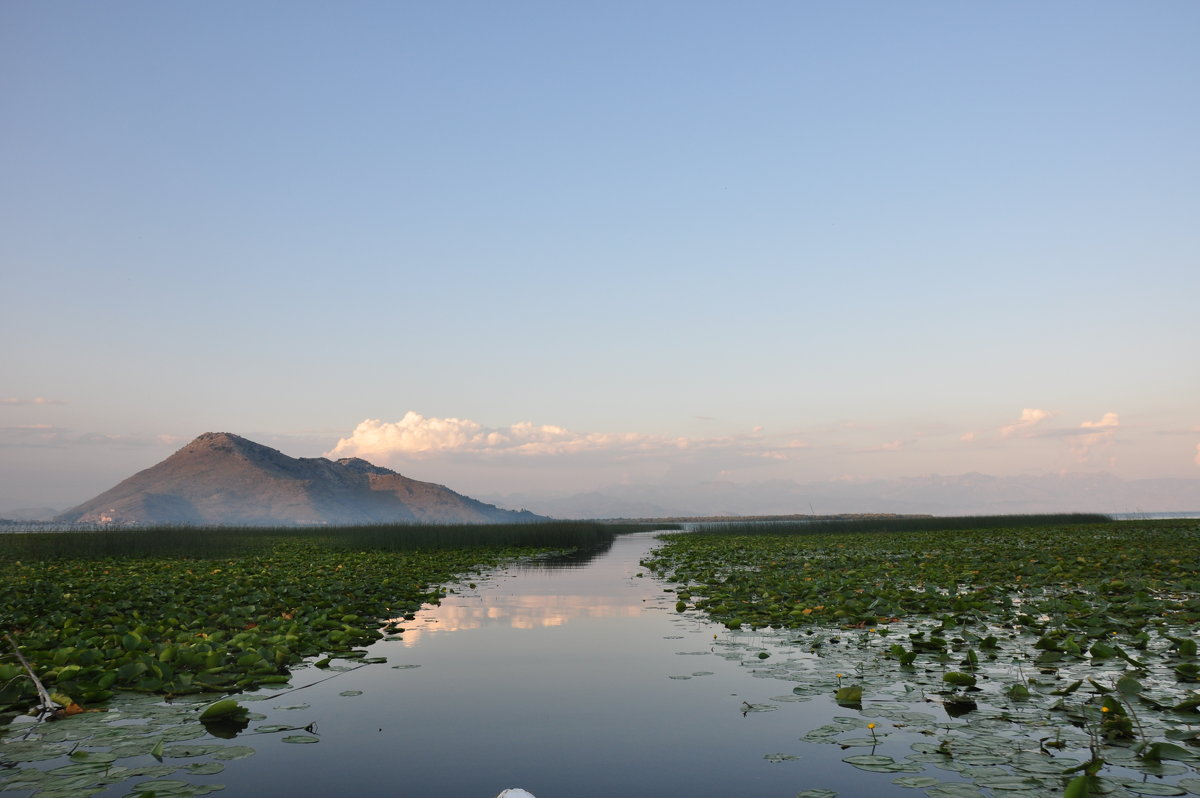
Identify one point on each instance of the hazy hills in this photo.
(220, 478)
(964, 494)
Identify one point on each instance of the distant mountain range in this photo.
(224, 479)
(964, 494)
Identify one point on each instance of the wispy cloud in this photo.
(1094, 436)
(48, 435)
(1189, 431)
(16, 401)
(890, 446)
(1030, 418)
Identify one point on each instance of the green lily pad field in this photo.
(186, 610)
(1053, 657)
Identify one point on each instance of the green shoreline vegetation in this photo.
(182, 610)
(1065, 647)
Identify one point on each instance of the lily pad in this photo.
(879, 763)
(780, 757)
(1192, 785)
(205, 768)
(917, 782)
(1007, 782)
(190, 751)
(231, 752)
(1153, 788)
(32, 751)
(153, 771)
(953, 789)
(164, 788)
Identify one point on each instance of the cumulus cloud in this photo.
(1094, 436)
(1030, 417)
(1109, 420)
(15, 401)
(418, 436)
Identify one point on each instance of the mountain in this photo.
(37, 514)
(220, 478)
(963, 494)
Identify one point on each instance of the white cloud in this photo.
(1107, 421)
(418, 436)
(1030, 417)
(1096, 435)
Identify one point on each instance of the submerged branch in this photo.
(49, 707)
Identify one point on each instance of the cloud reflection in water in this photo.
(516, 612)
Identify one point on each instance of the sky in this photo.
(543, 246)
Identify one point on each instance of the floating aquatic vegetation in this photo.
(98, 612)
(776, 758)
(1044, 651)
(99, 750)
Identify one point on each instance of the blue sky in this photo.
(797, 240)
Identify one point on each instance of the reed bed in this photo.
(923, 524)
(220, 542)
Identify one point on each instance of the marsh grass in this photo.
(915, 524)
(218, 542)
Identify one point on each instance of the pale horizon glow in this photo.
(545, 249)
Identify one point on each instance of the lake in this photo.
(571, 679)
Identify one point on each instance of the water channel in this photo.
(575, 680)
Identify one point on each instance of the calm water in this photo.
(558, 681)
(571, 682)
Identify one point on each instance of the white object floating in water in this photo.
(515, 792)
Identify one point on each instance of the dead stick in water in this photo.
(48, 706)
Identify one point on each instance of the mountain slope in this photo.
(221, 478)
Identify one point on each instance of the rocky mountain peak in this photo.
(361, 466)
(222, 478)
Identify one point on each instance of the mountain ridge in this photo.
(220, 478)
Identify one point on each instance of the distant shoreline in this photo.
(741, 519)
